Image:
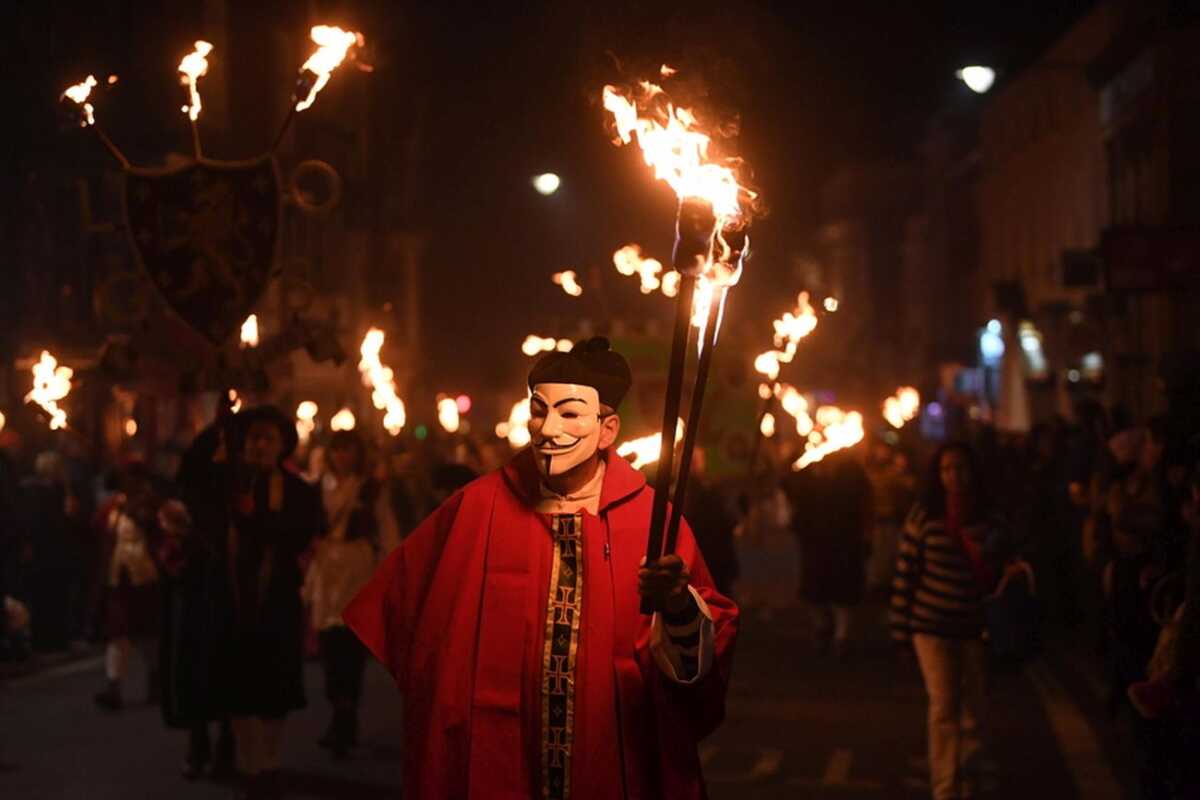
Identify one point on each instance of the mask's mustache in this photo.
(551, 444)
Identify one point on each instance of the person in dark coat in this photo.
(258, 658)
(193, 530)
(832, 516)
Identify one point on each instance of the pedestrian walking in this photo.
(126, 526)
(833, 519)
(258, 658)
(950, 559)
(357, 517)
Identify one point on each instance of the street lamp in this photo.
(547, 183)
(977, 78)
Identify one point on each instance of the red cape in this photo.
(457, 615)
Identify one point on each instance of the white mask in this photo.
(564, 425)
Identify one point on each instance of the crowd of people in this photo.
(222, 576)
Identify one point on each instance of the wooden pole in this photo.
(693, 422)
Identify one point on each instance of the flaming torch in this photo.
(793, 326)
(249, 333)
(710, 200)
(193, 66)
(447, 412)
(333, 46)
(79, 94)
(382, 382)
(647, 449)
(51, 383)
(902, 406)
(569, 282)
(516, 428)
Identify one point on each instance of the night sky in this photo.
(506, 94)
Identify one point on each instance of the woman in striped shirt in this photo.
(947, 564)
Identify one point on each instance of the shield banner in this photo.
(206, 234)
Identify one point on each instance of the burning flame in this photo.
(647, 449)
(249, 333)
(674, 146)
(516, 427)
(193, 66)
(447, 411)
(343, 420)
(831, 304)
(902, 406)
(332, 46)
(131, 427)
(826, 431)
(3, 420)
(79, 94)
(51, 383)
(235, 402)
(381, 380)
(628, 261)
(767, 426)
(535, 344)
(836, 430)
(567, 280)
(306, 420)
(789, 330)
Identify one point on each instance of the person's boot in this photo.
(340, 746)
(224, 766)
(110, 697)
(199, 753)
(329, 737)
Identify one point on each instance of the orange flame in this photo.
(535, 344)
(249, 332)
(628, 261)
(381, 380)
(333, 44)
(902, 406)
(51, 383)
(235, 401)
(191, 68)
(306, 419)
(674, 146)
(789, 330)
(569, 282)
(447, 412)
(647, 449)
(79, 94)
(827, 430)
(516, 427)
(343, 421)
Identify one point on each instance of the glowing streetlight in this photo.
(547, 183)
(977, 78)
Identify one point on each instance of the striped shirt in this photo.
(935, 590)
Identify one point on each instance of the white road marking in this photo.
(1092, 775)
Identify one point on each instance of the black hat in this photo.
(591, 362)
(271, 415)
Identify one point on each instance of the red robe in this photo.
(457, 615)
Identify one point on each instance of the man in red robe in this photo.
(510, 619)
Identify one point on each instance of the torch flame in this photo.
(902, 406)
(628, 261)
(249, 333)
(343, 420)
(380, 379)
(767, 426)
(647, 449)
(306, 419)
(332, 46)
(447, 411)
(827, 430)
(672, 144)
(516, 427)
(51, 383)
(789, 330)
(191, 68)
(568, 281)
(79, 94)
(535, 344)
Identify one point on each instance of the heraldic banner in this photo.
(206, 234)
